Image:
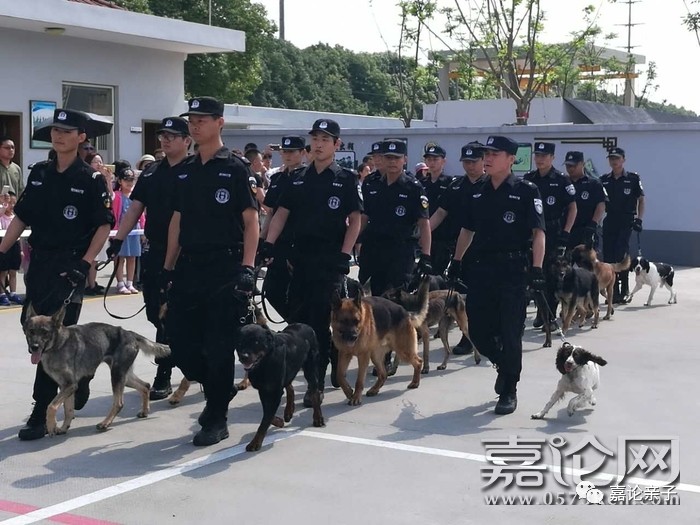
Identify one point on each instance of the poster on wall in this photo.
(523, 159)
(40, 112)
(346, 159)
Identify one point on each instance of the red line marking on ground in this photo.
(67, 519)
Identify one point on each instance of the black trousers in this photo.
(496, 309)
(152, 262)
(441, 252)
(616, 244)
(311, 290)
(203, 325)
(277, 280)
(46, 292)
(388, 264)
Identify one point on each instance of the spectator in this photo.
(159, 154)
(420, 170)
(145, 161)
(10, 173)
(96, 163)
(13, 258)
(85, 149)
(131, 249)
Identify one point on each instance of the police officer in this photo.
(625, 210)
(590, 202)
(323, 207)
(278, 276)
(214, 228)
(436, 183)
(451, 208)
(154, 193)
(507, 213)
(395, 206)
(377, 158)
(68, 207)
(559, 197)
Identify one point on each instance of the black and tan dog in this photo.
(445, 308)
(272, 360)
(368, 327)
(577, 291)
(71, 353)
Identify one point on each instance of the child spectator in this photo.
(8, 271)
(131, 249)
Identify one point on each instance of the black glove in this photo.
(537, 282)
(266, 252)
(454, 272)
(165, 281)
(563, 239)
(342, 264)
(115, 246)
(424, 266)
(637, 224)
(245, 280)
(77, 274)
(590, 233)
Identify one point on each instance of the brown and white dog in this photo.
(605, 272)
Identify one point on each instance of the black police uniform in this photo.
(318, 205)
(278, 276)
(204, 312)
(442, 242)
(64, 211)
(589, 193)
(388, 241)
(557, 194)
(621, 208)
(155, 188)
(504, 219)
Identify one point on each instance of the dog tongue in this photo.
(36, 357)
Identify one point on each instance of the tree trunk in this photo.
(522, 112)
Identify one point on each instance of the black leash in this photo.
(639, 244)
(101, 266)
(551, 315)
(263, 302)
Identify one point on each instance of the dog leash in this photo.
(550, 314)
(263, 301)
(101, 266)
(639, 244)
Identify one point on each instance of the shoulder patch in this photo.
(570, 189)
(96, 174)
(424, 202)
(253, 185)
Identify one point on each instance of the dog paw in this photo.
(647, 304)
(142, 414)
(413, 384)
(442, 367)
(539, 415)
(427, 370)
(357, 401)
(607, 317)
(570, 411)
(547, 344)
(254, 445)
(477, 360)
(594, 327)
(319, 422)
(372, 392)
(101, 427)
(288, 417)
(391, 371)
(277, 422)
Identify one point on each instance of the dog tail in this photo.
(151, 348)
(622, 266)
(419, 312)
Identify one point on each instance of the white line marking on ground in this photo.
(604, 476)
(141, 481)
(155, 477)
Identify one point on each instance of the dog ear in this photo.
(358, 301)
(367, 287)
(588, 356)
(562, 355)
(30, 312)
(57, 317)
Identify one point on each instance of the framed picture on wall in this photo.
(40, 112)
(523, 159)
(346, 159)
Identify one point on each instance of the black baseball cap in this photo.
(501, 143)
(327, 126)
(374, 149)
(204, 106)
(434, 150)
(292, 143)
(67, 119)
(544, 147)
(126, 173)
(616, 152)
(472, 151)
(174, 125)
(393, 148)
(573, 158)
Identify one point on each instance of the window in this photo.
(98, 100)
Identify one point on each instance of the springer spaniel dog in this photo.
(654, 275)
(580, 374)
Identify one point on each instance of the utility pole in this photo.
(209, 12)
(281, 19)
(629, 97)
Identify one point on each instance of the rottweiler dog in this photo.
(272, 360)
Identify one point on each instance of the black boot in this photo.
(82, 394)
(500, 383)
(624, 285)
(161, 385)
(36, 425)
(464, 347)
(508, 399)
(212, 432)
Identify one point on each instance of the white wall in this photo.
(149, 84)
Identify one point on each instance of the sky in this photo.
(373, 26)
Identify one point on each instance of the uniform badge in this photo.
(253, 185)
(70, 212)
(584, 195)
(222, 196)
(96, 174)
(538, 206)
(182, 176)
(334, 203)
(400, 211)
(570, 189)
(424, 202)
(168, 123)
(551, 200)
(628, 191)
(509, 217)
(195, 104)
(62, 115)
(287, 142)
(37, 183)
(323, 125)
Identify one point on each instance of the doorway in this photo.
(150, 140)
(11, 125)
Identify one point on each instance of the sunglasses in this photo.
(267, 157)
(88, 148)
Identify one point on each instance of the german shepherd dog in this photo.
(179, 394)
(272, 360)
(605, 272)
(577, 290)
(444, 308)
(71, 353)
(369, 327)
